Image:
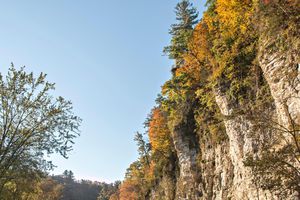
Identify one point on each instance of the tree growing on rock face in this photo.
(32, 124)
(143, 148)
(130, 190)
(186, 15)
(277, 168)
(159, 133)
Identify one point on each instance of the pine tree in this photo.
(186, 15)
(143, 148)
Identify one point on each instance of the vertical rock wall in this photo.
(185, 143)
(241, 144)
(221, 173)
(282, 71)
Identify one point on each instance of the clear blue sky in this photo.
(105, 56)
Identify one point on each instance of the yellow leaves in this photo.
(189, 75)
(197, 65)
(150, 172)
(226, 35)
(159, 134)
(198, 46)
(32, 189)
(11, 186)
(221, 46)
(234, 16)
(129, 190)
(135, 171)
(210, 21)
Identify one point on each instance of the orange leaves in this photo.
(199, 58)
(266, 2)
(199, 44)
(150, 175)
(219, 50)
(129, 190)
(140, 177)
(159, 134)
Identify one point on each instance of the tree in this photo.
(69, 175)
(129, 190)
(108, 191)
(143, 148)
(83, 189)
(49, 189)
(32, 124)
(159, 133)
(186, 15)
(32, 189)
(277, 168)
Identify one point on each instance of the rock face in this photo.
(221, 174)
(165, 189)
(241, 143)
(216, 169)
(282, 71)
(186, 147)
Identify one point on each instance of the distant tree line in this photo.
(83, 189)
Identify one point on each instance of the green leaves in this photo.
(186, 15)
(32, 123)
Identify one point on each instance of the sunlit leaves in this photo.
(186, 16)
(32, 123)
(159, 133)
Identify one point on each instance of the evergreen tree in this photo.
(143, 148)
(69, 175)
(186, 15)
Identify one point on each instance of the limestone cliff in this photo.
(229, 122)
(223, 172)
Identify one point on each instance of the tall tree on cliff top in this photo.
(186, 16)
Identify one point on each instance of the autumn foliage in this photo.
(129, 190)
(159, 134)
(220, 53)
